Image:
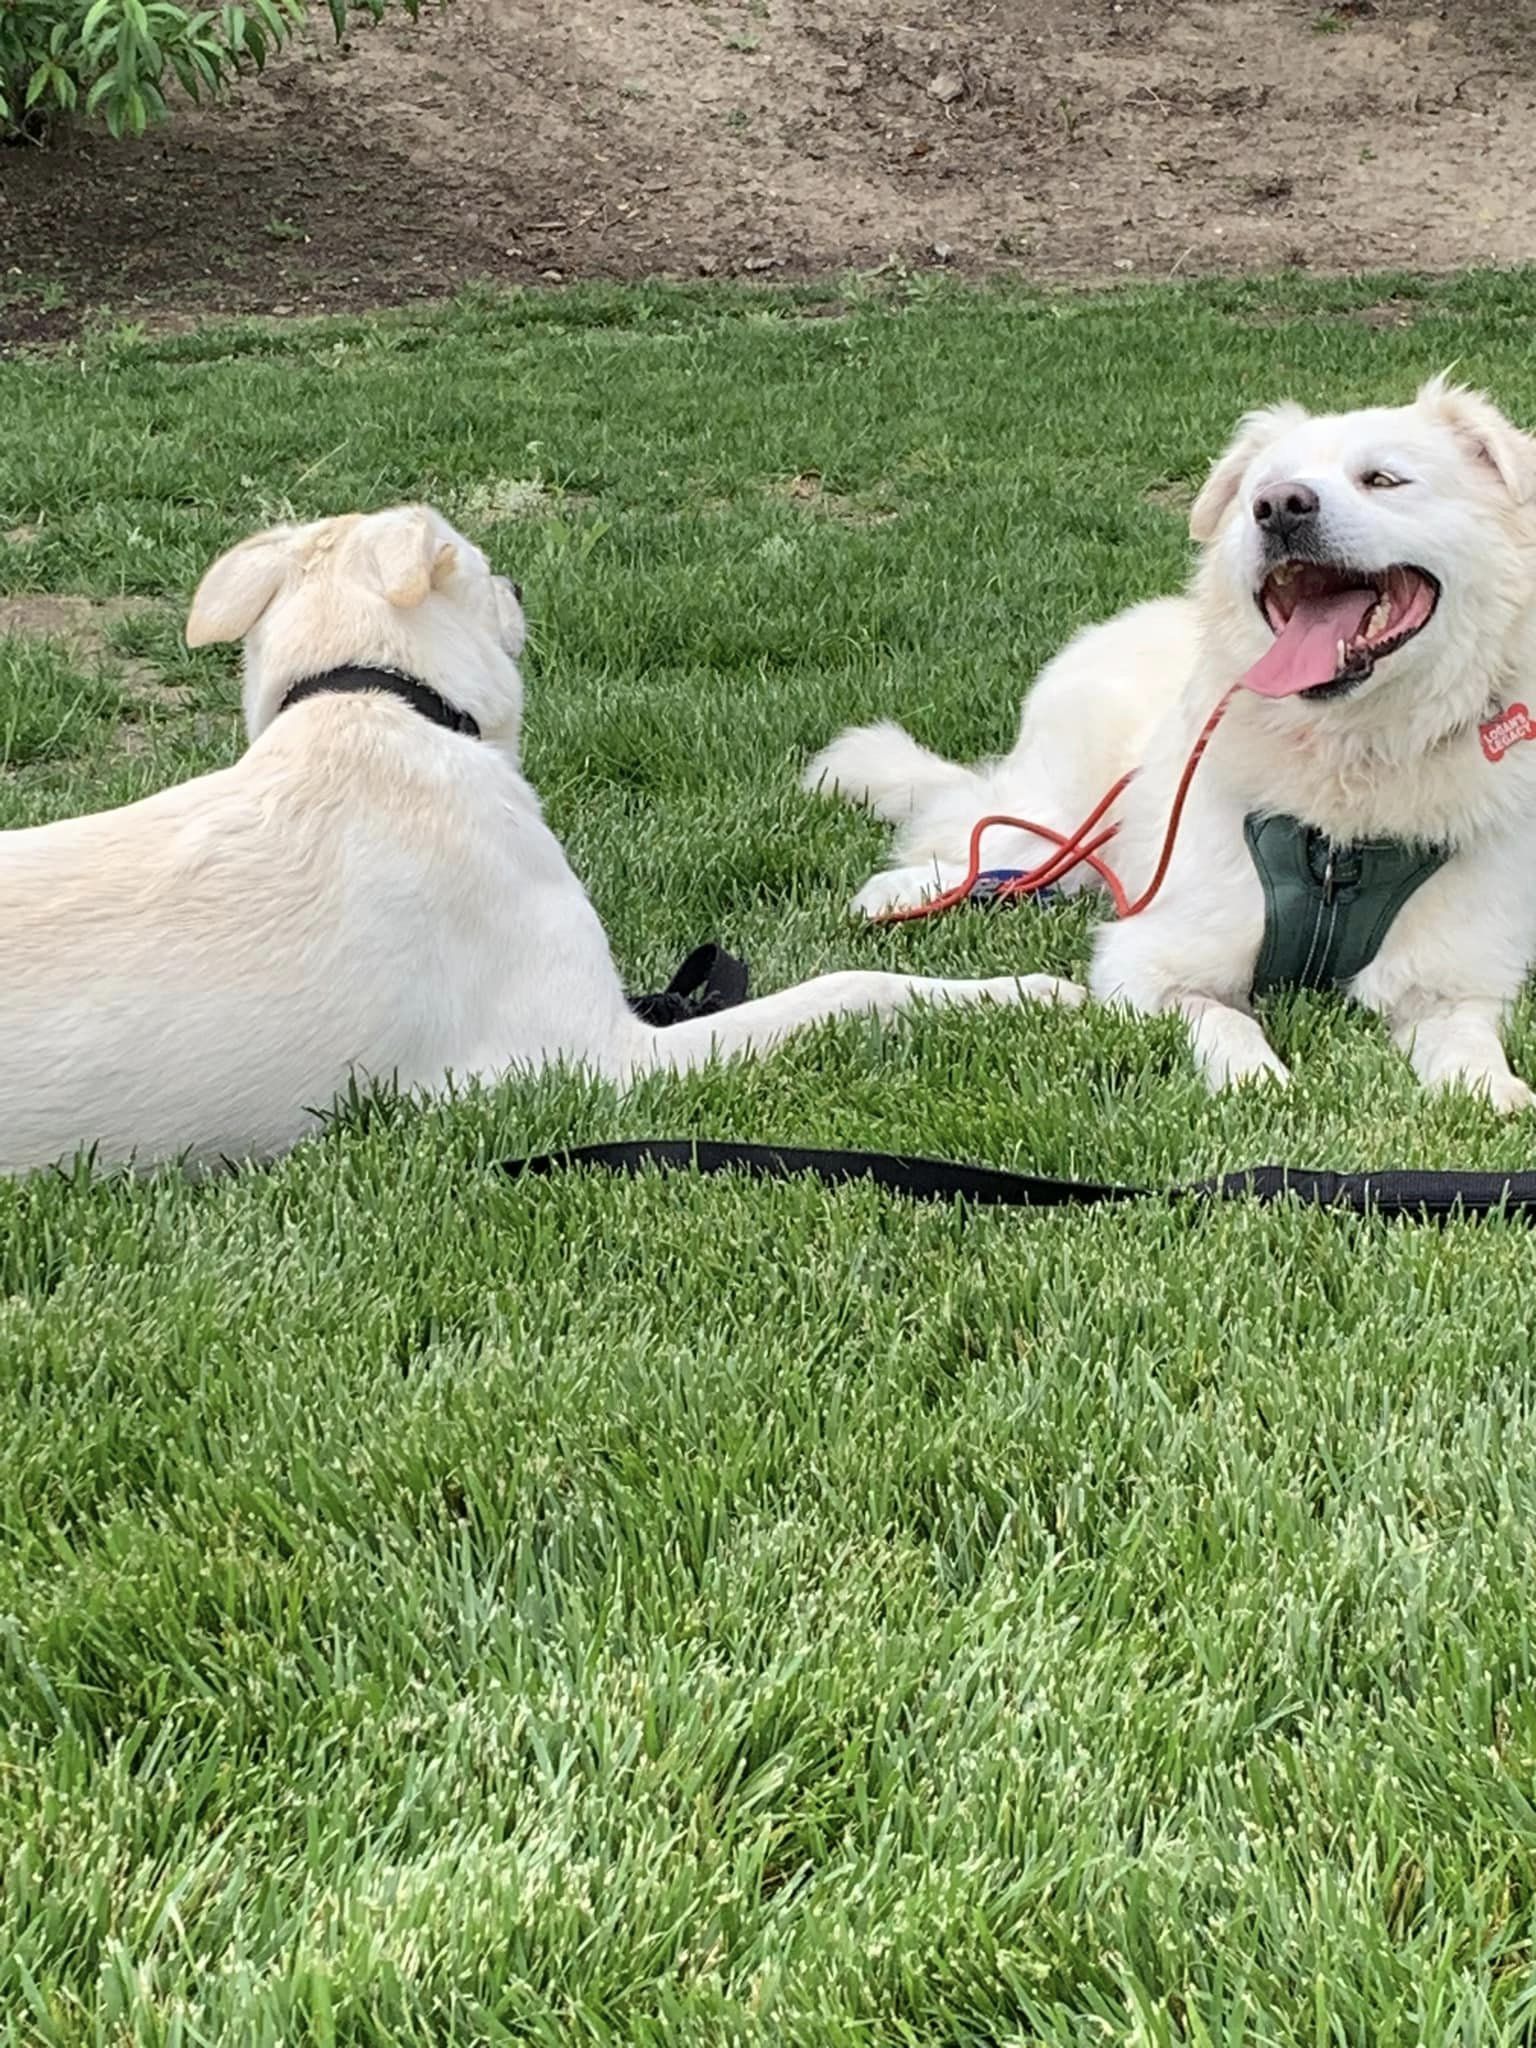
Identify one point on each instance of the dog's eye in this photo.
(1381, 480)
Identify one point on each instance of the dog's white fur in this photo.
(363, 894)
(1400, 757)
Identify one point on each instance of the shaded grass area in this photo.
(437, 1609)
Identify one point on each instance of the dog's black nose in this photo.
(1283, 508)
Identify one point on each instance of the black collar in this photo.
(386, 682)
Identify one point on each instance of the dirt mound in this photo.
(528, 140)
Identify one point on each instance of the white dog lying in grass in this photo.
(1365, 817)
(370, 891)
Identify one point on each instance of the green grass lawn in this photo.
(440, 1610)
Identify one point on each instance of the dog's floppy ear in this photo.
(1481, 427)
(1255, 430)
(237, 590)
(408, 552)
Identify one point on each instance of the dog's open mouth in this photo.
(1332, 625)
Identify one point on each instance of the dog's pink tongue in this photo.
(1306, 649)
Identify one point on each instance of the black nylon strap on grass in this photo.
(1422, 1194)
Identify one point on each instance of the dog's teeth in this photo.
(1286, 573)
(1380, 618)
(1343, 652)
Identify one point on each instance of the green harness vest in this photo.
(1327, 908)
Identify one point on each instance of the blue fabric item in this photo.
(987, 884)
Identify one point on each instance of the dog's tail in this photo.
(884, 768)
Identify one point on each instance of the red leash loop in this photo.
(1073, 849)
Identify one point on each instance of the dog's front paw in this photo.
(1230, 1047)
(1223, 1070)
(899, 889)
(1506, 1094)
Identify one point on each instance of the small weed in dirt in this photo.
(44, 294)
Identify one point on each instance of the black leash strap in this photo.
(709, 980)
(1425, 1195)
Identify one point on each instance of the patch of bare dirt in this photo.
(809, 493)
(544, 140)
(1171, 494)
(79, 624)
(82, 627)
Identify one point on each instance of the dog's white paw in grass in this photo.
(905, 888)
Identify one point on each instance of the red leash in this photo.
(1074, 849)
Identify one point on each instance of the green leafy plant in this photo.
(115, 60)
